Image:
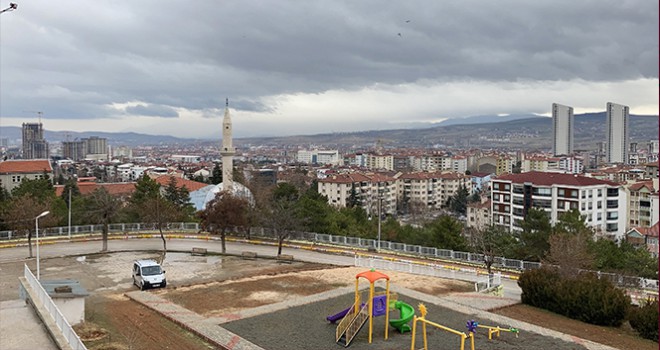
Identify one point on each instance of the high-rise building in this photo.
(74, 150)
(34, 145)
(96, 145)
(617, 133)
(562, 129)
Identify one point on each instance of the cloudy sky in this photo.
(304, 67)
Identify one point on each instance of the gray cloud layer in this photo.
(75, 59)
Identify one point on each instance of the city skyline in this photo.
(291, 68)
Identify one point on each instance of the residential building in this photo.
(617, 131)
(600, 201)
(365, 190)
(380, 161)
(646, 237)
(430, 189)
(34, 144)
(478, 214)
(13, 172)
(639, 204)
(562, 129)
(75, 150)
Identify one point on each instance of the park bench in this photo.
(285, 258)
(198, 251)
(249, 255)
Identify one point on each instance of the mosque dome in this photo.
(238, 190)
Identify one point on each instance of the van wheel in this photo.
(142, 287)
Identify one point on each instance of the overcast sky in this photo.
(306, 67)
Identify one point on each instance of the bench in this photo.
(249, 255)
(285, 258)
(198, 251)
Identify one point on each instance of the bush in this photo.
(644, 320)
(587, 298)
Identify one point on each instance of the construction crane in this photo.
(39, 114)
(12, 7)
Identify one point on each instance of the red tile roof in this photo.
(548, 179)
(25, 166)
(346, 178)
(639, 185)
(117, 188)
(649, 231)
(180, 182)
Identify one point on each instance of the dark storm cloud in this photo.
(153, 111)
(194, 54)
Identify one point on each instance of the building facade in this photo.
(562, 129)
(34, 144)
(603, 203)
(617, 130)
(13, 172)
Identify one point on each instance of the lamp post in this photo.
(378, 247)
(36, 229)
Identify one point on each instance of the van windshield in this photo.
(151, 270)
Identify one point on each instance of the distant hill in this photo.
(114, 138)
(530, 133)
(485, 119)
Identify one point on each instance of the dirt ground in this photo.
(213, 285)
(621, 338)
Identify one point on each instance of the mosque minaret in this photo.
(227, 152)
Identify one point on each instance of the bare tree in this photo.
(103, 208)
(222, 213)
(159, 212)
(491, 242)
(570, 253)
(21, 214)
(283, 219)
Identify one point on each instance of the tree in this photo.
(283, 214)
(458, 202)
(180, 198)
(145, 188)
(445, 232)
(70, 185)
(222, 213)
(570, 253)
(159, 211)
(40, 189)
(536, 231)
(102, 208)
(492, 242)
(21, 213)
(216, 174)
(353, 199)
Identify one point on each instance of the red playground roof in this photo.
(372, 275)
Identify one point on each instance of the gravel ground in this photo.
(305, 327)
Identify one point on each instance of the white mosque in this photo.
(204, 195)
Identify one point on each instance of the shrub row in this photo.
(586, 298)
(644, 320)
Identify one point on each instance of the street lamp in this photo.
(36, 229)
(12, 7)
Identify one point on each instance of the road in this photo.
(66, 248)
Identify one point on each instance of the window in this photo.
(612, 204)
(16, 178)
(600, 193)
(612, 192)
(612, 215)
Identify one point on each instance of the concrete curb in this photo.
(193, 322)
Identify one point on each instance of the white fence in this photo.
(61, 322)
(354, 242)
(435, 270)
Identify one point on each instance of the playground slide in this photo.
(338, 316)
(406, 314)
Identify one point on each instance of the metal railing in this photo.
(353, 242)
(67, 331)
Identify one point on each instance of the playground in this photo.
(214, 286)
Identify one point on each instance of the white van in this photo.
(148, 273)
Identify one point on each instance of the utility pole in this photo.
(70, 188)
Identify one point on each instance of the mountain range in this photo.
(526, 131)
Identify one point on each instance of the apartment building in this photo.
(432, 189)
(640, 210)
(380, 161)
(600, 201)
(478, 214)
(617, 129)
(365, 189)
(562, 129)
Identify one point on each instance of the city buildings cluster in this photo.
(614, 186)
